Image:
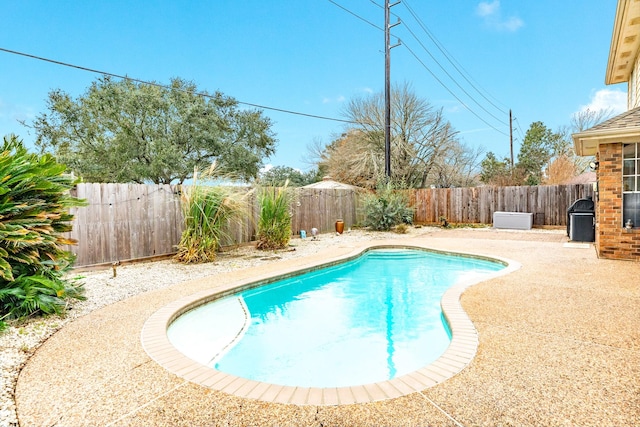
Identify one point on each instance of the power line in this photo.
(453, 94)
(203, 94)
(451, 77)
(519, 128)
(356, 15)
(434, 76)
(448, 56)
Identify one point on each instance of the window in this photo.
(631, 184)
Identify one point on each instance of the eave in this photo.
(586, 143)
(623, 128)
(625, 42)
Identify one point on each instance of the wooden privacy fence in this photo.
(125, 221)
(321, 207)
(133, 221)
(548, 203)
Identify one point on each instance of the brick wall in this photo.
(612, 240)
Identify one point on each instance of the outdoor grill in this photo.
(581, 220)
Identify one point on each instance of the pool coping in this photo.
(459, 353)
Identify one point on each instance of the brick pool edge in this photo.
(457, 356)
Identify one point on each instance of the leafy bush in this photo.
(34, 211)
(274, 224)
(207, 212)
(386, 208)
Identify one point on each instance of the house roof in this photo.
(624, 127)
(585, 178)
(625, 42)
(328, 183)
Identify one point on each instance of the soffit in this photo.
(625, 42)
(621, 128)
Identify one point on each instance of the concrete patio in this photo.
(559, 344)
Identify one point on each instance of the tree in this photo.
(494, 171)
(536, 151)
(458, 168)
(123, 131)
(564, 163)
(353, 159)
(562, 168)
(422, 140)
(582, 121)
(545, 156)
(277, 176)
(316, 157)
(588, 118)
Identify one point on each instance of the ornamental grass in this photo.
(274, 223)
(209, 213)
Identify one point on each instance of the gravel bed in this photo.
(22, 339)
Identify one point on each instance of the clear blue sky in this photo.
(543, 59)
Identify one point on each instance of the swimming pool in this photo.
(459, 353)
(367, 320)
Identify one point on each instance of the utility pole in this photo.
(511, 139)
(387, 86)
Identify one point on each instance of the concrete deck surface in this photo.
(559, 344)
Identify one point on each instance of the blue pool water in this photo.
(367, 320)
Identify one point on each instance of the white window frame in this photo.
(631, 182)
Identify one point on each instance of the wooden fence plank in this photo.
(125, 221)
(549, 204)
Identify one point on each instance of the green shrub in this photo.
(208, 211)
(34, 212)
(274, 223)
(386, 208)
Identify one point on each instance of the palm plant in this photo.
(34, 211)
(274, 223)
(208, 213)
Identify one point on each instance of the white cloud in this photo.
(266, 168)
(511, 24)
(486, 8)
(457, 108)
(603, 99)
(450, 106)
(338, 99)
(492, 16)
